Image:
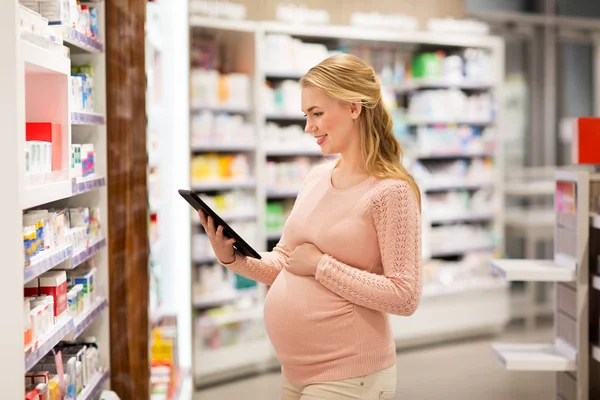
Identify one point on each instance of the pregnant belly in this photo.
(307, 323)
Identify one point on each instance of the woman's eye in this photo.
(318, 114)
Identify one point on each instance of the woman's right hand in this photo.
(222, 246)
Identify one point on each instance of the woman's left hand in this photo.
(304, 260)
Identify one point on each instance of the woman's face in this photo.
(333, 124)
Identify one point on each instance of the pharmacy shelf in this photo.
(87, 118)
(596, 282)
(215, 185)
(230, 357)
(39, 60)
(224, 148)
(215, 299)
(462, 217)
(94, 387)
(37, 195)
(532, 270)
(448, 121)
(274, 235)
(82, 322)
(204, 260)
(56, 334)
(441, 83)
(456, 186)
(46, 261)
(530, 189)
(81, 256)
(232, 317)
(534, 357)
(221, 109)
(295, 152)
(458, 251)
(436, 290)
(282, 75)
(230, 216)
(285, 117)
(452, 156)
(282, 193)
(87, 184)
(80, 43)
(596, 353)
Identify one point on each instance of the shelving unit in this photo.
(38, 87)
(481, 307)
(575, 311)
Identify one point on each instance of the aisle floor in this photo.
(465, 370)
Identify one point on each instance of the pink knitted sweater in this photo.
(334, 326)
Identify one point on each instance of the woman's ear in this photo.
(355, 109)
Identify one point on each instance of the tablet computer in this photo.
(240, 244)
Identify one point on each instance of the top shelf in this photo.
(442, 83)
(533, 271)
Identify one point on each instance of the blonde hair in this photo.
(349, 79)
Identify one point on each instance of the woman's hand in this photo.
(304, 260)
(222, 246)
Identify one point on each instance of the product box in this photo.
(47, 132)
(32, 288)
(54, 283)
(87, 282)
(585, 148)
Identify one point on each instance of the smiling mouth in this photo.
(321, 139)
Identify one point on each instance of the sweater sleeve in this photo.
(398, 291)
(264, 270)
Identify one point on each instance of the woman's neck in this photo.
(352, 163)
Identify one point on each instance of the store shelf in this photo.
(81, 256)
(274, 75)
(532, 270)
(94, 387)
(458, 251)
(46, 261)
(456, 186)
(232, 317)
(462, 217)
(83, 321)
(282, 193)
(87, 118)
(230, 216)
(214, 185)
(274, 235)
(285, 117)
(204, 260)
(534, 357)
(221, 109)
(80, 43)
(441, 83)
(87, 184)
(448, 121)
(437, 290)
(452, 156)
(596, 282)
(530, 189)
(224, 148)
(230, 357)
(215, 299)
(37, 195)
(39, 60)
(60, 330)
(295, 152)
(596, 353)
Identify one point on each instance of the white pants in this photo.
(377, 386)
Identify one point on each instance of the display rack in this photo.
(572, 270)
(38, 85)
(479, 303)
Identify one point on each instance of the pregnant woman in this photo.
(350, 252)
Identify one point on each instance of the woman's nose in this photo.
(309, 128)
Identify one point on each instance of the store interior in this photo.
(114, 106)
